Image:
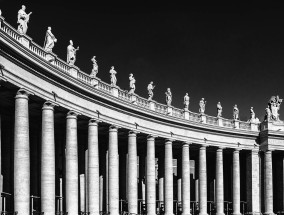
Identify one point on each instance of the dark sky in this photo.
(230, 54)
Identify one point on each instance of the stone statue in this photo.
(23, 20)
(95, 67)
(150, 89)
(168, 97)
(267, 113)
(113, 79)
(186, 99)
(131, 83)
(273, 106)
(219, 109)
(49, 40)
(202, 104)
(71, 53)
(236, 112)
(252, 114)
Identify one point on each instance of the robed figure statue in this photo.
(23, 20)
(49, 40)
(71, 53)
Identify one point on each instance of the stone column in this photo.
(268, 183)
(86, 180)
(236, 182)
(185, 179)
(82, 193)
(219, 182)
(161, 174)
(101, 193)
(1, 179)
(48, 160)
(113, 172)
(150, 177)
(93, 168)
(168, 178)
(72, 177)
(202, 181)
(22, 154)
(132, 173)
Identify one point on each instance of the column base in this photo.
(236, 214)
(220, 213)
(269, 213)
(254, 213)
(203, 214)
(186, 214)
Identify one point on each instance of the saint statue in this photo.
(274, 106)
(267, 113)
(150, 89)
(236, 112)
(113, 79)
(252, 114)
(219, 109)
(23, 20)
(95, 67)
(71, 53)
(131, 83)
(168, 97)
(186, 99)
(202, 104)
(49, 40)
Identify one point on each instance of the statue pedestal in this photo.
(220, 121)
(169, 110)
(236, 123)
(133, 99)
(73, 71)
(272, 125)
(25, 40)
(114, 91)
(254, 126)
(152, 105)
(202, 118)
(50, 57)
(186, 114)
(95, 81)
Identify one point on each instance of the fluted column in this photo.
(202, 181)
(72, 177)
(150, 177)
(113, 172)
(185, 179)
(48, 159)
(268, 183)
(168, 178)
(236, 182)
(22, 154)
(93, 168)
(132, 173)
(219, 182)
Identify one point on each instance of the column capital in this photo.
(133, 133)
(23, 93)
(49, 105)
(113, 128)
(266, 151)
(237, 150)
(151, 137)
(220, 148)
(203, 146)
(186, 143)
(169, 141)
(94, 122)
(254, 151)
(72, 114)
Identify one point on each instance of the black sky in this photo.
(232, 54)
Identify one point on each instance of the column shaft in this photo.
(72, 177)
(21, 155)
(93, 169)
(168, 178)
(86, 180)
(202, 181)
(150, 177)
(82, 193)
(48, 160)
(219, 182)
(185, 179)
(268, 183)
(132, 173)
(236, 182)
(113, 172)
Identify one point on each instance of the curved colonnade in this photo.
(72, 143)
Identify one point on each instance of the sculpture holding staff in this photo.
(49, 40)
(71, 53)
(219, 109)
(131, 83)
(95, 67)
(150, 89)
(168, 97)
(202, 104)
(236, 112)
(23, 19)
(113, 79)
(186, 99)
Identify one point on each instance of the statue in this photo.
(252, 114)
(168, 97)
(273, 106)
(49, 40)
(236, 113)
(186, 99)
(267, 113)
(0, 12)
(131, 83)
(113, 79)
(23, 20)
(71, 53)
(202, 104)
(95, 67)
(150, 89)
(219, 109)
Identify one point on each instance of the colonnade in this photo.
(92, 177)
